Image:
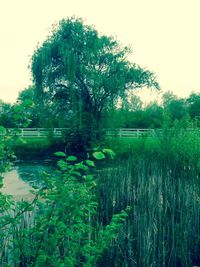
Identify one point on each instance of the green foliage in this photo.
(98, 155)
(132, 114)
(71, 158)
(70, 223)
(6, 119)
(109, 152)
(90, 163)
(60, 154)
(193, 102)
(63, 230)
(20, 114)
(79, 73)
(26, 98)
(159, 178)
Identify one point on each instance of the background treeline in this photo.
(134, 114)
(129, 112)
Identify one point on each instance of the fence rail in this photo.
(33, 132)
(130, 132)
(58, 132)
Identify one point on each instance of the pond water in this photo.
(19, 180)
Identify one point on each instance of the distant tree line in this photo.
(134, 114)
(130, 113)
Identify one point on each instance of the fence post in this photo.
(120, 132)
(22, 133)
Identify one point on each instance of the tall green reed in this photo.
(161, 184)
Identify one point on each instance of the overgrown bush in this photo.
(58, 226)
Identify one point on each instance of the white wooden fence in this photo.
(130, 132)
(57, 132)
(33, 132)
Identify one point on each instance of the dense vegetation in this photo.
(77, 218)
(130, 112)
(160, 181)
(140, 207)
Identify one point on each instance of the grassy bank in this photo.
(36, 148)
(124, 145)
(43, 147)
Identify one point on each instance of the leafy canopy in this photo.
(81, 66)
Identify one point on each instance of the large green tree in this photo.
(84, 72)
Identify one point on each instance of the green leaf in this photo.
(71, 158)
(98, 155)
(62, 164)
(110, 152)
(60, 154)
(82, 166)
(90, 163)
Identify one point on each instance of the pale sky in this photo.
(164, 36)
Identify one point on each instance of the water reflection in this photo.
(13, 185)
(19, 180)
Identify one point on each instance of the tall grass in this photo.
(162, 185)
